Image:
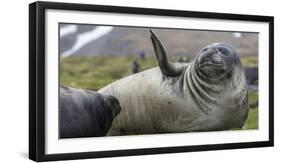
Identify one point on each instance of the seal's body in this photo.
(85, 113)
(207, 94)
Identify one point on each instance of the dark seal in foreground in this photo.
(85, 113)
(207, 94)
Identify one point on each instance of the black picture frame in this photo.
(37, 80)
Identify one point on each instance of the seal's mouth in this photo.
(213, 60)
(212, 63)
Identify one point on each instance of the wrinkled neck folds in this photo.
(207, 84)
(207, 91)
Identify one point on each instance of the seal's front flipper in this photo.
(168, 69)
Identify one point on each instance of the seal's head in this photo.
(217, 60)
(113, 103)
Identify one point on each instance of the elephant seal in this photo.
(207, 94)
(85, 113)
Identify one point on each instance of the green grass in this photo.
(252, 121)
(249, 61)
(98, 71)
(253, 99)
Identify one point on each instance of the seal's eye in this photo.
(205, 49)
(224, 51)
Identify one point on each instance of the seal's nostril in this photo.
(210, 51)
(217, 50)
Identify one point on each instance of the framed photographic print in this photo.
(111, 81)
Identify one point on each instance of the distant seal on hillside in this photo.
(85, 113)
(207, 94)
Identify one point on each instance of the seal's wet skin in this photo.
(85, 113)
(207, 94)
